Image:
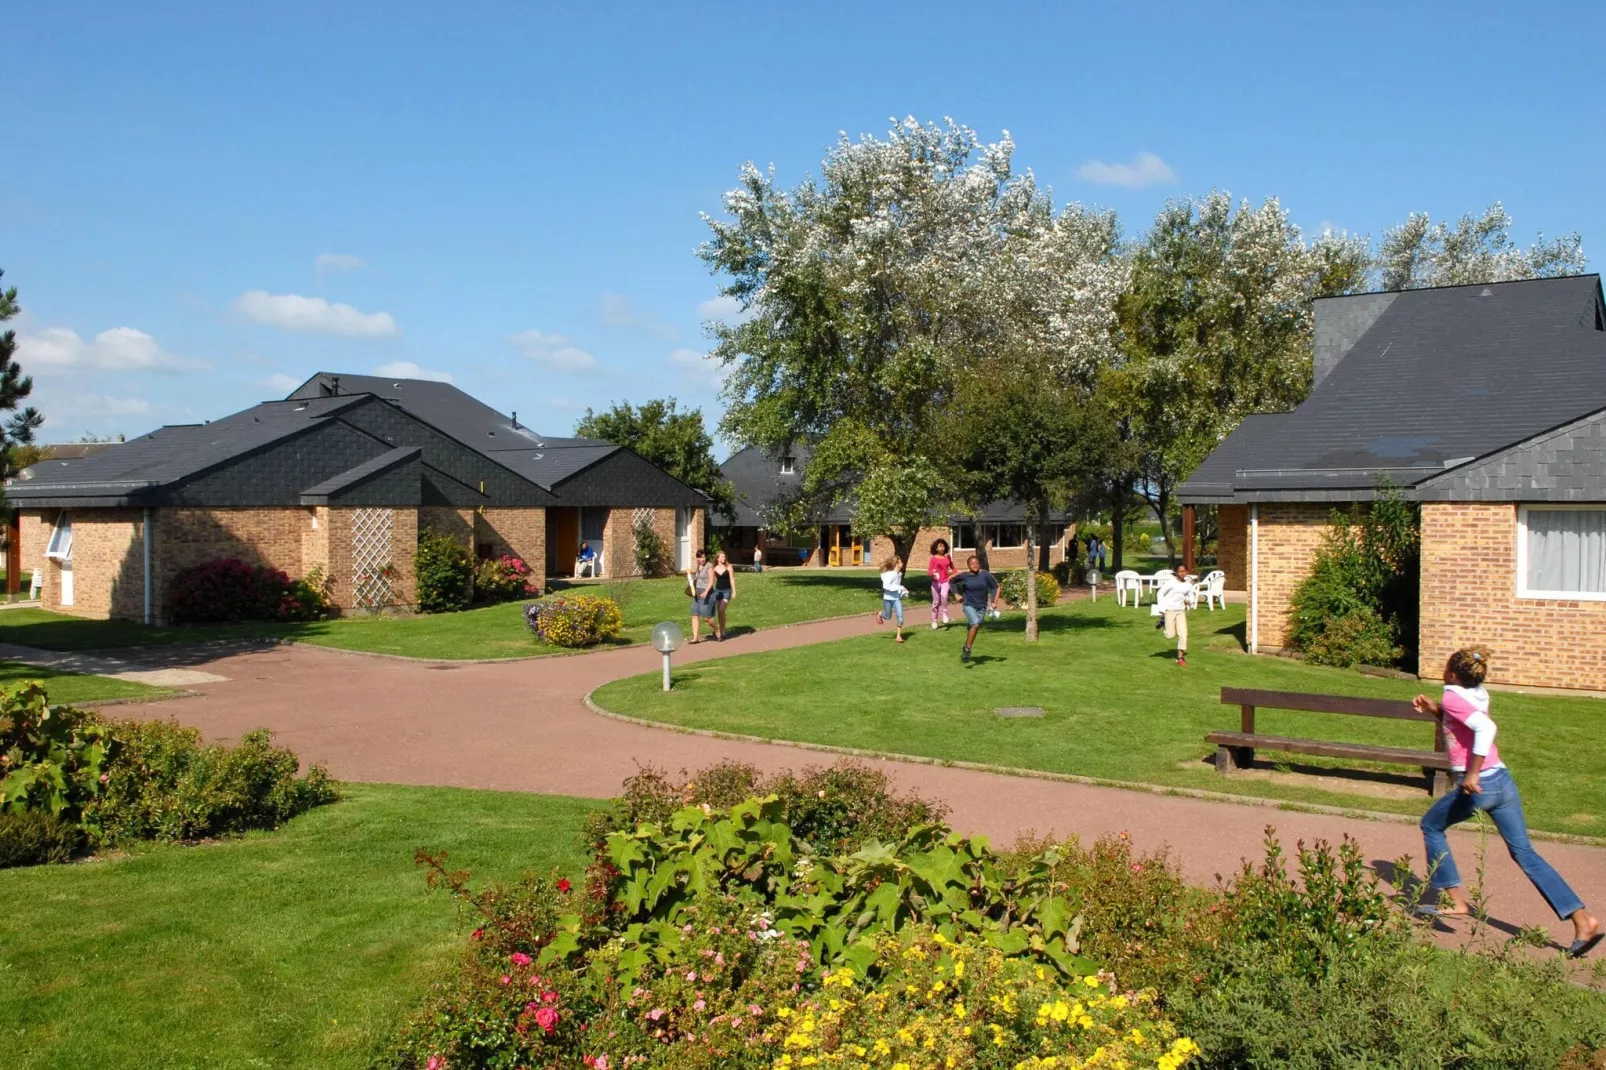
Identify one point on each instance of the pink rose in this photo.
(547, 1019)
(699, 1005)
(655, 1014)
(519, 958)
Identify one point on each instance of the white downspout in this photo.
(1254, 578)
(146, 539)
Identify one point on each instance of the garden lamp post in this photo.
(666, 639)
(1093, 582)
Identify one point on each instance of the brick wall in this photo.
(458, 523)
(1469, 596)
(519, 531)
(108, 564)
(1290, 534)
(186, 537)
(1232, 545)
(33, 528)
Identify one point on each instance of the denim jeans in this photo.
(1499, 799)
(892, 606)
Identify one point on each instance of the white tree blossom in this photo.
(1420, 253)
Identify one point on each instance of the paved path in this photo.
(522, 726)
(134, 671)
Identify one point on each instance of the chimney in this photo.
(1340, 322)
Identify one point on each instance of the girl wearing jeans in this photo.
(941, 570)
(892, 592)
(1484, 783)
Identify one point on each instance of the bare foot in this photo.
(1585, 925)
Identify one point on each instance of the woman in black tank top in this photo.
(724, 590)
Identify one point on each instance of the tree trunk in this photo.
(902, 545)
(1160, 502)
(1118, 499)
(983, 545)
(1031, 581)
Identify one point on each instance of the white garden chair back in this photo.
(1128, 580)
(1215, 587)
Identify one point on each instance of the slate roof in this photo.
(171, 454)
(353, 476)
(544, 461)
(1441, 378)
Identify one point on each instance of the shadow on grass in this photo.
(1239, 633)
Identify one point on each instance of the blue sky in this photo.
(202, 203)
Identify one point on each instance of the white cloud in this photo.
(617, 311)
(406, 369)
(327, 262)
(1146, 169)
(120, 349)
(313, 315)
(553, 351)
(725, 309)
(696, 366)
(280, 383)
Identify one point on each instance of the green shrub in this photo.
(35, 837)
(503, 579)
(1359, 637)
(52, 758)
(167, 785)
(229, 590)
(1012, 588)
(577, 620)
(445, 573)
(834, 809)
(652, 556)
(1066, 573)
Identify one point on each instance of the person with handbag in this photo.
(700, 587)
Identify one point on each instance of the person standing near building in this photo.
(1172, 602)
(758, 559)
(700, 585)
(978, 593)
(892, 592)
(724, 592)
(1484, 783)
(941, 570)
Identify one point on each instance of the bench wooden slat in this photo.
(1425, 759)
(1398, 709)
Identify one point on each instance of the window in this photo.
(1008, 536)
(788, 466)
(60, 546)
(964, 537)
(1561, 553)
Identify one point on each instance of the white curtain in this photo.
(1567, 550)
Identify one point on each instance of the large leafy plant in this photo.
(838, 904)
(52, 758)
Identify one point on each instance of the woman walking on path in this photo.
(700, 585)
(978, 593)
(892, 592)
(724, 591)
(1172, 602)
(1484, 783)
(941, 570)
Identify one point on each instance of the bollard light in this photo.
(1093, 582)
(666, 639)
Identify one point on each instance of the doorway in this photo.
(66, 583)
(683, 526)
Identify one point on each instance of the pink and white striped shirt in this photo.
(1468, 729)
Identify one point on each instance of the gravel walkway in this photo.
(523, 726)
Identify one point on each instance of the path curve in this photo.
(524, 726)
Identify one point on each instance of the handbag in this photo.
(691, 587)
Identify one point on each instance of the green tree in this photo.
(1420, 253)
(16, 440)
(866, 292)
(1215, 324)
(674, 440)
(1017, 430)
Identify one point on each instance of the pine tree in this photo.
(16, 439)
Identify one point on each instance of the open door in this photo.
(683, 547)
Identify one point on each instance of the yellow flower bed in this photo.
(942, 1005)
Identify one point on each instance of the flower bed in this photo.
(578, 620)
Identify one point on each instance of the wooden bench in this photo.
(1236, 750)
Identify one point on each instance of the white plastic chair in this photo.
(1215, 587)
(1128, 580)
(594, 566)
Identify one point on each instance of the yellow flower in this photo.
(959, 1010)
(1090, 980)
(783, 1012)
(959, 969)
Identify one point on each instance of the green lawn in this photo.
(763, 601)
(296, 948)
(72, 687)
(1115, 706)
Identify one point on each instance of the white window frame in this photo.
(54, 548)
(997, 531)
(1523, 590)
(788, 466)
(958, 543)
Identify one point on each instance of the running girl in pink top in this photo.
(941, 570)
(1484, 783)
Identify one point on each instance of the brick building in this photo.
(340, 477)
(1487, 405)
(762, 477)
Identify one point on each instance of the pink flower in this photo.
(506, 979)
(435, 1063)
(519, 958)
(699, 1005)
(719, 958)
(691, 975)
(549, 997)
(1137, 867)
(547, 1019)
(563, 884)
(754, 1009)
(655, 1014)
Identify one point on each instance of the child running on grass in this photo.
(1172, 602)
(978, 592)
(1484, 783)
(941, 570)
(892, 592)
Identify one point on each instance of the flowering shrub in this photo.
(229, 590)
(503, 579)
(575, 621)
(1012, 588)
